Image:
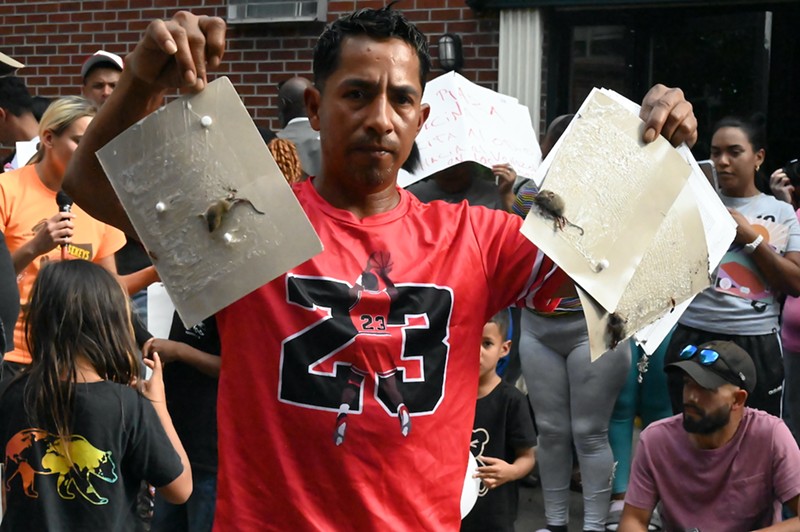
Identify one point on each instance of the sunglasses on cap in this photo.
(706, 357)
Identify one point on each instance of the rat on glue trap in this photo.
(216, 212)
(552, 206)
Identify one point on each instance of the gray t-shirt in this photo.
(715, 311)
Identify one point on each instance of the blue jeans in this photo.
(195, 515)
(139, 305)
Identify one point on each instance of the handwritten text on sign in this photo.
(471, 123)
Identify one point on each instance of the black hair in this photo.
(39, 105)
(14, 96)
(266, 134)
(414, 160)
(754, 129)
(554, 131)
(378, 24)
(76, 310)
(369, 281)
(502, 321)
(291, 100)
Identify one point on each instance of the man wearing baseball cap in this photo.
(719, 465)
(8, 65)
(100, 73)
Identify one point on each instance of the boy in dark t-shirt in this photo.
(502, 437)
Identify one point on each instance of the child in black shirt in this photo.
(502, 437)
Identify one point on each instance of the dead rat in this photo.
(551, 205)
(215, 213)
(615, 330)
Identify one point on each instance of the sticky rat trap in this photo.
(648, 243)
(170, 170)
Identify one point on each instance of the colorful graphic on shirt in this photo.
(479, 441)
(371, 338)
(32, 452)
(375, 348)
(738, 274)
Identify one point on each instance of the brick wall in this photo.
(54, 38)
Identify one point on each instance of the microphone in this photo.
(64, 203)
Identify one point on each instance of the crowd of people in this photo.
(411, 307)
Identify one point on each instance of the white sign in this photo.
(468, 122)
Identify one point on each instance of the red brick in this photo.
(59, 18)
(92, 27)
(427, 4)
(43, 7)
(116, 26)
(115, 5)
(254, 78)
(69, 6)
(13, 20)
(62, 80)
(36, 18)
(276, 55)
(105, 15)
(445, 14)
(80, 16)
(463, 28)
(129, 15)
(22, 51)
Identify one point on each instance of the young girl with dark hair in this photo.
(80, 429)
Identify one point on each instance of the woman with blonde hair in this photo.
(37, 229)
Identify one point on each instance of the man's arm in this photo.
(133, 282)
(170, 351)
(172, 54)
(790, 525)
(634, 519)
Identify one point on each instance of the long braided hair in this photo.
(285, 154)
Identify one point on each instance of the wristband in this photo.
(751, 247)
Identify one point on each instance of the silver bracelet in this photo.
(751, 247)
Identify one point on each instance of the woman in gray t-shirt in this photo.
(762, 262)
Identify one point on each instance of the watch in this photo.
(751, 247)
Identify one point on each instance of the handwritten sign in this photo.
(468, 122)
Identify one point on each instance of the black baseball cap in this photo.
(733, 366)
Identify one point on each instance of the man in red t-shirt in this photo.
(285, 360)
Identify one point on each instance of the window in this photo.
(241, 11)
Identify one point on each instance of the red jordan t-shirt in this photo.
(285, 363)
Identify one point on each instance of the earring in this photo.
(757, 167)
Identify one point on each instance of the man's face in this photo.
(369, 112)
(99, 84)
(705, 411)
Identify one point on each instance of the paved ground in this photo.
(531, 510)
(531, 506)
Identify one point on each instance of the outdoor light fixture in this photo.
(450, 55)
